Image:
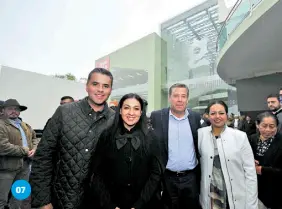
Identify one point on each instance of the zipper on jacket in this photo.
(81, 182)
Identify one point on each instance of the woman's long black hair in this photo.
(118, 122)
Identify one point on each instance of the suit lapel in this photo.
(192, 123)
(165, 125)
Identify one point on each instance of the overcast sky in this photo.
(61, 36)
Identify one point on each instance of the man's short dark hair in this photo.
(101, 71)
(67, 97)
(178, 85)
(273, 95)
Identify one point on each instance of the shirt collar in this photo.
(182, 118)
(88, 109)
(16, 121)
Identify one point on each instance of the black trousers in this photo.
(181, 191)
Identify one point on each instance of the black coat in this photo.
(62, 160)
(270, 181)
(250, 128)
(124, 176)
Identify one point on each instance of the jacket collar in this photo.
(277, 111)
(9, 123)
(107, 112)
(224, 129)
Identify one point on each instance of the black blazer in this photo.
(270, 182)
(160, 121)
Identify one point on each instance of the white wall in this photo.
(40, 93)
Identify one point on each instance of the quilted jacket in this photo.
(61, 162)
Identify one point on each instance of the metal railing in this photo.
(239, 12)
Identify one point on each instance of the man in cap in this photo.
(17, 146)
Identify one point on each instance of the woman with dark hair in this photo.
(127, 170)
(228, 174)
(267, 148)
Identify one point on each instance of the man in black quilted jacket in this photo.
(61, 163)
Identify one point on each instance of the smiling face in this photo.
(178, 100)
(130, 112)
(217, 115)
(99, 88)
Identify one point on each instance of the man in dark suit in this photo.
(176, 127)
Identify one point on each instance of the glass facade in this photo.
(191, 56)
(138, 68)
(129, 79)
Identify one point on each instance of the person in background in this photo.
(267, 148)
(227, 164)
(18, 143)
(280, 95)
(273, 103)
(1, 109)
(66, 100)
(236, 122)
(250, 126)
(62, 160)
(230, 121)
(127, 169)
(205, 119)
(176, 128)
(242, 121)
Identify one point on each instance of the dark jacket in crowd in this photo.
(206, 122)
(127, 171)
(270, 181)
(62, 160)
(249, 127)
(279, 116)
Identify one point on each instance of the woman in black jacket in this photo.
(126, 165)
(267, 148)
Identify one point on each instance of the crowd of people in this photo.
(93, 156)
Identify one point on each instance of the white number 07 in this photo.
(20, 189)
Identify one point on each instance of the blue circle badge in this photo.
(21, 189)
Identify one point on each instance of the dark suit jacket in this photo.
(160, 122)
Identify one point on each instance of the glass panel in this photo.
(238, 14)
(255, 2)
(240, 11)
(191, 55)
